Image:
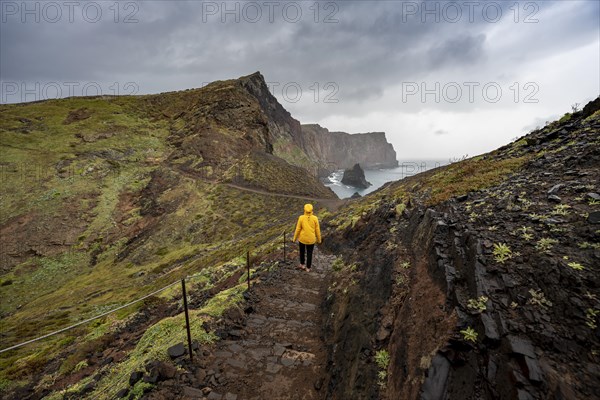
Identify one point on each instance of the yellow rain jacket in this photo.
(307, 228)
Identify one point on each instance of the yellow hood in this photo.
(308, 209)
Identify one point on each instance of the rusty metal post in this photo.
(187, 320)
(283, 246)
(248, 266)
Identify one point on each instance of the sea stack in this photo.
(355, 177)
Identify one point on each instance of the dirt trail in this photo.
(330, 204)
(280, 353)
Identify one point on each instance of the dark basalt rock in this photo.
(355, 177)
(555, 188)
(554, 198)
(594, 217)
(135, 377)
(176, 351)
(593, 196)
(434, 386)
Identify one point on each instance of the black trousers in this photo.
(308, 249)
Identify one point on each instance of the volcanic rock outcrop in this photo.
(355, 176)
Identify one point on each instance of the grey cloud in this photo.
(373, 47)
(460, 50)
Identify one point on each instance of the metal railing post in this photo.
(187, 320)
(248, 267)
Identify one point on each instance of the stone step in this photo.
(294, 290)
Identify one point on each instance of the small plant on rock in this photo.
(382, 359)
(526, 233)
(478, 304)
(405, 265)
(469, 334)
(538, 217)
(588, 245)
(537, 298)
(545, 244)
(400, 280)
(576, 266)
(590, 296)
(502, 252)
(561, 209)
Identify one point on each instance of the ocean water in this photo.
(378, 177)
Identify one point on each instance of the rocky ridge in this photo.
(486, 290)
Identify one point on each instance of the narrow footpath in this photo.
(279, 353)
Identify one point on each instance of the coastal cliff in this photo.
(341, 150)
(308, 146)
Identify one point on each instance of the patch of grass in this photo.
(400, 207)
(168, 332)
(48, 274)
(140, 389)
(338, 264)
(470, 175)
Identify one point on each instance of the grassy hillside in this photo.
(108, 198)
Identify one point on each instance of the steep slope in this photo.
(106, 199)
(340, 150)
(482, 276)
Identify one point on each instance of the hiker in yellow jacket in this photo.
(307, 233)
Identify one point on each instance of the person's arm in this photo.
(318, 230)
(298, 229)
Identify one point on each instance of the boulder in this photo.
(176, 351)
(593, 196)
(355, 177)
(554, 198)
(135, 377)
(594, 217)
(554, 189)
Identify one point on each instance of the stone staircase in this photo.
(279, 353)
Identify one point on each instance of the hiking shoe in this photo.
(301, 267)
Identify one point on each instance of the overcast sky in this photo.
(442, 79)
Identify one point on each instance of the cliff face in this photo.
(340, 150)
(482, 276)
(245, 107)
